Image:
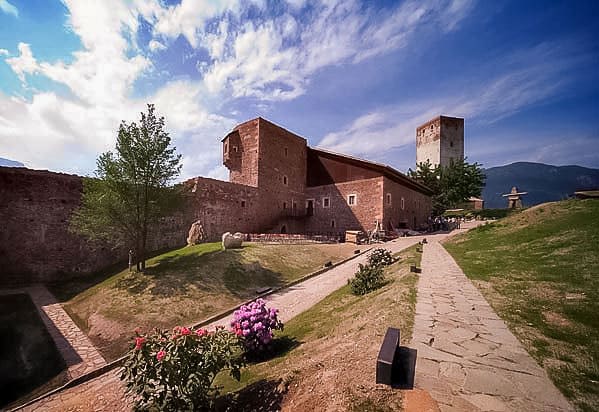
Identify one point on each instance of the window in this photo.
(310, 207)
(450, 144)
(284, 180)
(284, 205)
(388, 198)
(286, 152)
(226, 149)
(403, 203)
(333, 223)
(432, 127)
(235, 149)
(326, 202)
(351, 200)
(243, 203)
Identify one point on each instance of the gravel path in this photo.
(467, 358)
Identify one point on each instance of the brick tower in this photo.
(439, 140)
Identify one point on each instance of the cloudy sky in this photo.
(355, 77)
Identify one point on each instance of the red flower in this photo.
(201, 332)
(185, 331)
(139, 341)
(160, 355)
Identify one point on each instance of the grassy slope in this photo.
(184, 286)
(331, 348)
(539, 271)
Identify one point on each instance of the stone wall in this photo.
(339, 216)
(35, 243)
(439, 140)
(404, 207)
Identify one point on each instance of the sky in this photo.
(349, 76)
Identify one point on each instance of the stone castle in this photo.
(440, 140)
(277, 184)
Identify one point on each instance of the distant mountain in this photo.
(544, 183)
(10, 163)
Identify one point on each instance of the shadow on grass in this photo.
(280, 347)
(264, 395)
(174, 273)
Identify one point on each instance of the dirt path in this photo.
(467, 358)
(106, 391)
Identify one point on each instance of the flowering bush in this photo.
(367, 279)
(380, 257)
(254, 324)
(175, 370)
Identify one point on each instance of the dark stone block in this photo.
(386, 357)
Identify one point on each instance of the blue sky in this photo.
(354, 77)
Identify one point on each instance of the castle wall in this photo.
(360, 216)
(243, 147)
(452, 139)
(35, 243)
(412, 212)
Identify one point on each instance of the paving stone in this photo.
(486, 402)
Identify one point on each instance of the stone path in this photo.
(79, 353)
(106, 391)
(467, 358)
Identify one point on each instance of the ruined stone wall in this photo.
(368, 206)
(35, 243)
(404, 207)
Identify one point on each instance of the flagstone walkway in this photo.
(468, 360)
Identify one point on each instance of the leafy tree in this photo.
(452, 184)
(132, 189)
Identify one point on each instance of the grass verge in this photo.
(538, 270)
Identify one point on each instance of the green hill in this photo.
(539, 271)
(544, 183)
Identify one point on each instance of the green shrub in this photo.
(367, 279)
(380, 257)
(175, 371)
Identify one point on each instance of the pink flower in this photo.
(201, 332)
(185, 331)
(160, 355)
(139, 341)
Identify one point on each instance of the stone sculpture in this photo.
(196, 233)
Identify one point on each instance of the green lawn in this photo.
(184, 286)
(30, 360)
(339, 338)
(539, 269)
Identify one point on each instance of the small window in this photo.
(432, 127)
(235, 149)
(388, 198)
(326, 202)
(403, 204)
(243, 203)
(450, 144)
(284, 205)
(351, 200)
(333, 223)
(226, 148)
(286, 152)
(284, 180)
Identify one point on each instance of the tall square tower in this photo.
(440, 140)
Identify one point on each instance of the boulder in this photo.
(196, 233)
(232, 241)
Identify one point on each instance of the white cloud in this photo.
(8, 8)
(4, 52)
(155, 45)
(24, 63)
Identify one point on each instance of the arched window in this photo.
(403, 203)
